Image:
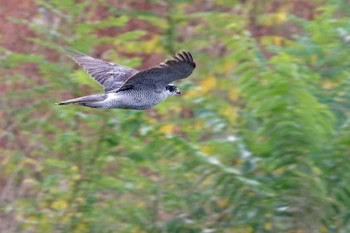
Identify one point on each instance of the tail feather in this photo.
(84, 100)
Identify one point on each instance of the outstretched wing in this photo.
(110, 76)
(179, 67)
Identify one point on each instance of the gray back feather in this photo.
(179, 67)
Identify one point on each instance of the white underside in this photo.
(123, 100)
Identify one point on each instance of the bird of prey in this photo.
(129, 88)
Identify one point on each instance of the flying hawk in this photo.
(129, 88)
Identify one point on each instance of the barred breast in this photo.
(133, 99)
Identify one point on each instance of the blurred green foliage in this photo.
(259, 142)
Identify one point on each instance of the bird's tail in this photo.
(85, 100)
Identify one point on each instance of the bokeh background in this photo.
(259, 141)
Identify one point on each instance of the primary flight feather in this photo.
(129, 88)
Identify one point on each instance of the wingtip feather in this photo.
(186, 57)
(72, 52)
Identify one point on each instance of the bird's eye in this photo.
(171, 88)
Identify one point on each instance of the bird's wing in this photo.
(179, 67)
(110, 76)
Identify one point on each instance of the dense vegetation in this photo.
(258, 142)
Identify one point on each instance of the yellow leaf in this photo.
(296, 231)
(30, 181)
(199, 124)
(81, 228)
(228, 65)
(32, 219)
(316, 170)
(190, 175)
(222, 203)
(6, 159)
(230, 113)
(341, 100)
(43, 204)
(267, 20)
(324, 229)
(265, 40)
(74, 168)
(141, 204)
(273, 18)
(280, 17)
(150, 120)
(192, 93)
(241, 230)
(167, 129)
(19, 216)
(79, 200)
(206, 150)
(277, 40)
(250, 194)
(233, 94)
(239, 161)
(279, 171)
(207, 182)
(59, 205)
(151, 45)
(77, 177)
(268, 226)
(313, 59)
(329, 85)
(53, 189)
(208, 84)
(131, 47)
(31, 162)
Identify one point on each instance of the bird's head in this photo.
(171, 89)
